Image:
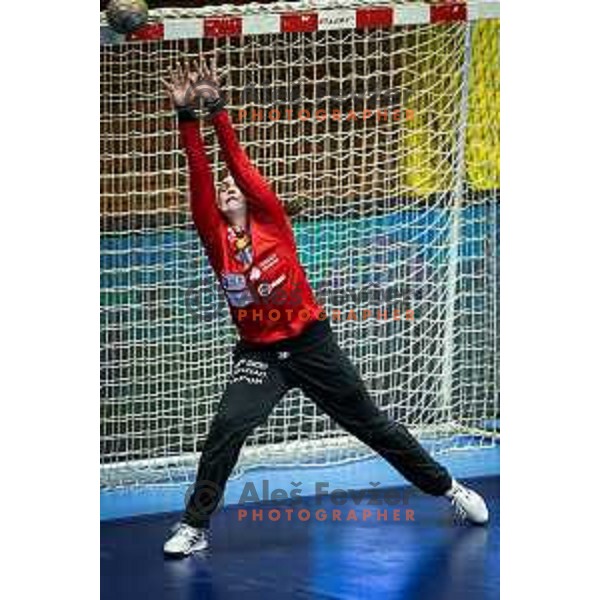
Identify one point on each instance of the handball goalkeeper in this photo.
(285, 338)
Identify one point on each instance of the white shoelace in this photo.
(188, 532)
(459, 511)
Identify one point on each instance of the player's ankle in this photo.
(449, 493)
(195, 523)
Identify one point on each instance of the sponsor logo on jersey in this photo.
(233, 281)
(239, 299)
(236, 289)
(255, 274)
(269, 262)
(265, 289)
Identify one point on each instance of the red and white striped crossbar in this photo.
(368, 17)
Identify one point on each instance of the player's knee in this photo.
(230, 424)
(384, 431)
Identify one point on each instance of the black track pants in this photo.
(318, 366)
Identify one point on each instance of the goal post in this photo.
(382, 120)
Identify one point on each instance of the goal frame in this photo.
(297, 17)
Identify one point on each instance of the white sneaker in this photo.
(468, 504)
(186, 540)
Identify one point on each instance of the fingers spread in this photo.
(167, 84)
(204, 72)
(220, 77)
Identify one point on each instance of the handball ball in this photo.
(125, 16)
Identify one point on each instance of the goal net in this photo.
(382, 121)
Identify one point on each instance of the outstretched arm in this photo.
(202, 187)
(205, 214)
(261, 198)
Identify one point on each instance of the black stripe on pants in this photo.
(259, 380)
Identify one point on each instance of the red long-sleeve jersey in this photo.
(270, 300)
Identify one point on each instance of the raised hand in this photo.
(208, 85)
(180, 87)
(188, 83)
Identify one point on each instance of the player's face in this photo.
(230, 198)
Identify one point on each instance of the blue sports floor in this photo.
(427, 558)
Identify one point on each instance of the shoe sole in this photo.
(192, 550)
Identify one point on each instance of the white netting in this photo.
(258, 8)
(400, 213)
